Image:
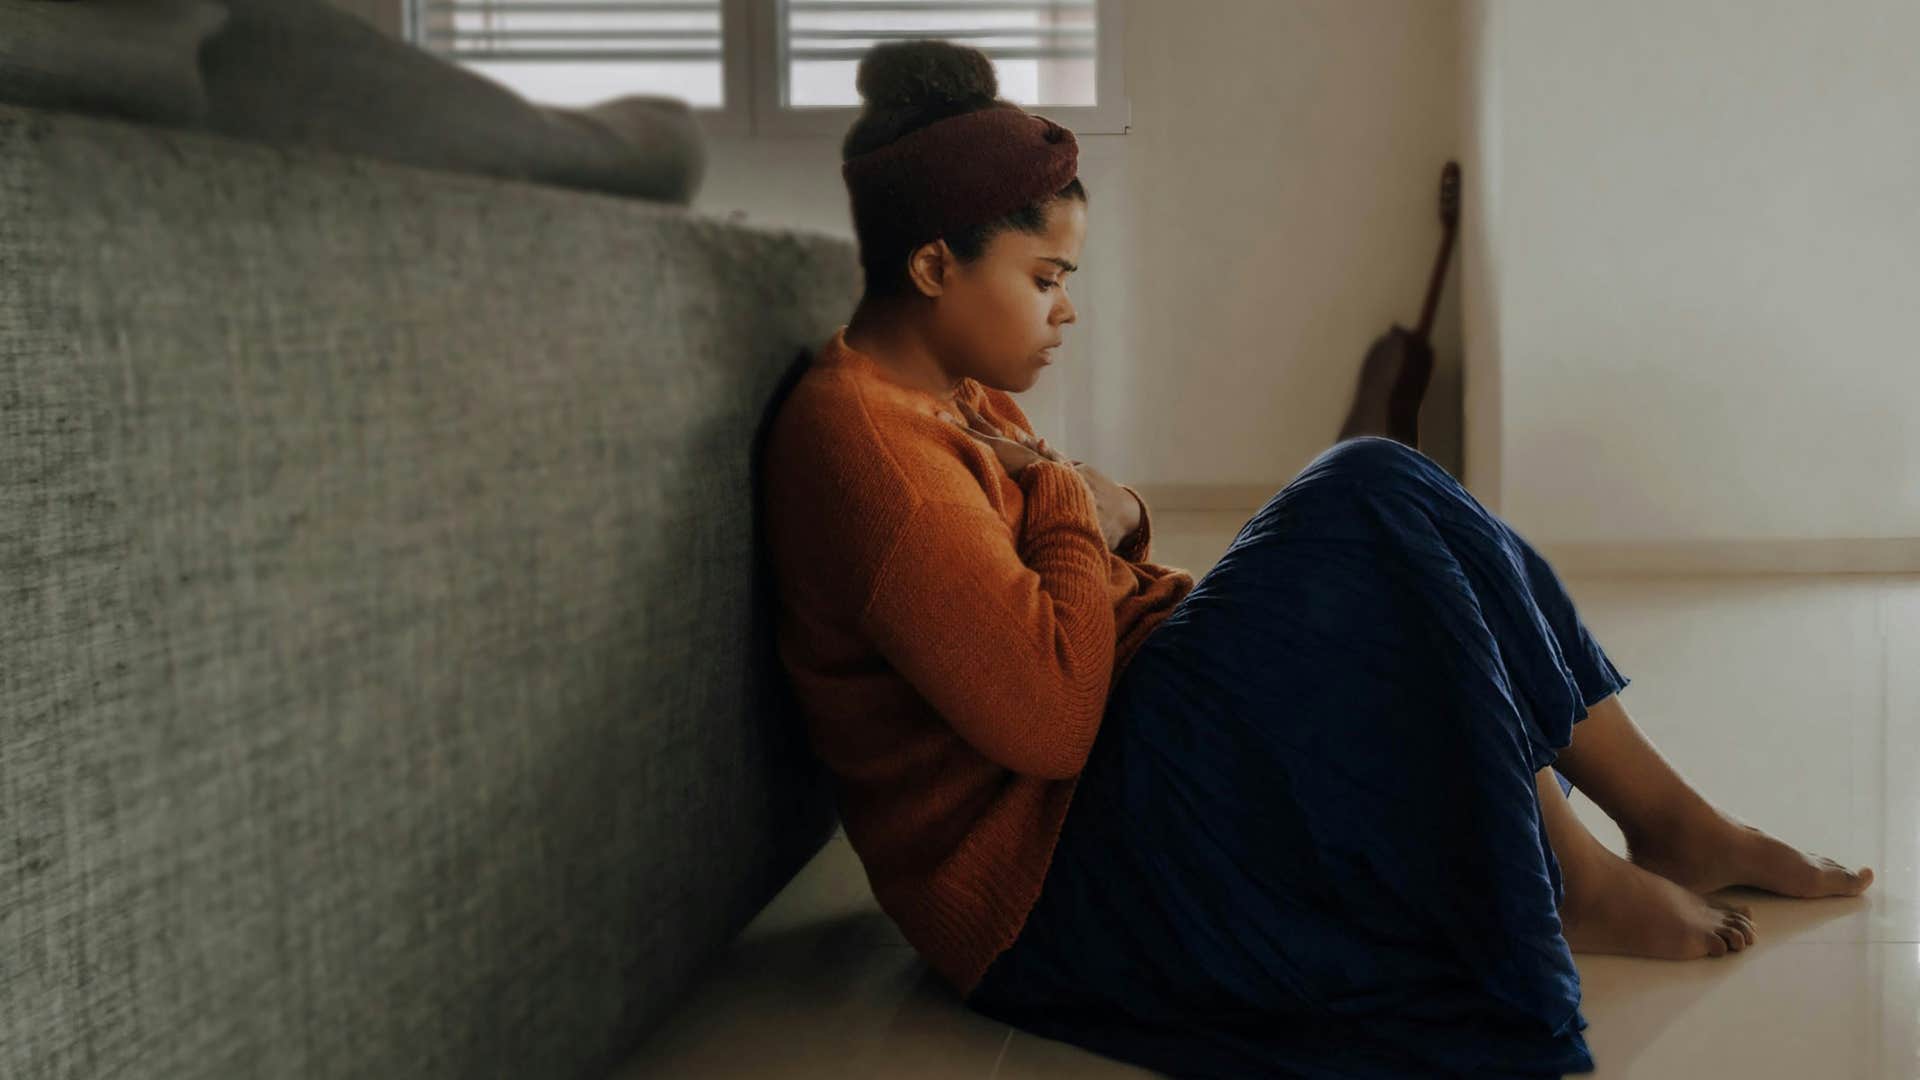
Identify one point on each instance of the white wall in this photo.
(1689, 306)
(1686, 231)
(1480, 228)
(1274, 208)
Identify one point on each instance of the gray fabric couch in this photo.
(386, 686)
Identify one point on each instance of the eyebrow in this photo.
(1061, 263)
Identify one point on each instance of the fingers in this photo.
(977, 425)
(978, 421)
(1013, 456)
(974, 417)
(1039, 446)
(969, 428)
(1024, 438)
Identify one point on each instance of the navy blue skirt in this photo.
(1308, 841)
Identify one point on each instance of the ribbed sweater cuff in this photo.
(1055, 492)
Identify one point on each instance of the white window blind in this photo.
(576, 52)
(1045, 52)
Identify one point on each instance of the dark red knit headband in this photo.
(959, 171)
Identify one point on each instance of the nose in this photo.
(1065, 313)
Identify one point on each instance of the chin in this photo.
(1010, 382)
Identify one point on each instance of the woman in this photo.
(1298, 819)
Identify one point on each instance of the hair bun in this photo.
(925, 72)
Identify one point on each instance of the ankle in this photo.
(1585, 869)
(1684, 818)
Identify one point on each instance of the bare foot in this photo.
(1707, 850)
(1613, 906)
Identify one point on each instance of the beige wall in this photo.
(1273, 209)
(1479, 95)
(1688, 229)
(1689, 308)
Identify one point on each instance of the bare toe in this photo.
(1742, 928)
(1617, 907)
(1829, 878)
(1837, 880)
(1764, 862)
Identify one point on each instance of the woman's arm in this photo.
(1010, 638)
(1121, 511)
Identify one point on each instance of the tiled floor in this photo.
(1792, 701)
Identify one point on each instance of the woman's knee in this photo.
(1364, 463)
(1371, 459)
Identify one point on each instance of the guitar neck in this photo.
(1434, 282)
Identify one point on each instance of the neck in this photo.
(893, 334)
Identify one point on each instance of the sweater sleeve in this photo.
(1136, 546)
(1010, 639)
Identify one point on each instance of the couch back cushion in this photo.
(385, 683)
(136, 59)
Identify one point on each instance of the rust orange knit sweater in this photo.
(953, 635)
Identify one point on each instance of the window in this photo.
(775, 67)
(579, 53)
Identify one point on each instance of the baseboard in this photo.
(1862, 555)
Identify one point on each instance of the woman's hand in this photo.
(1118, 513)
(1015, 453)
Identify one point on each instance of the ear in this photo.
(928, 266)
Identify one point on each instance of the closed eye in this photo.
(1044, 284)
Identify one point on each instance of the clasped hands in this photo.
(1115, 507)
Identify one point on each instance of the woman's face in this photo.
(998, 319)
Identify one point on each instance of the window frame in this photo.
(771, 117)
(752, 73)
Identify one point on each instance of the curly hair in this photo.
(905, 86)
